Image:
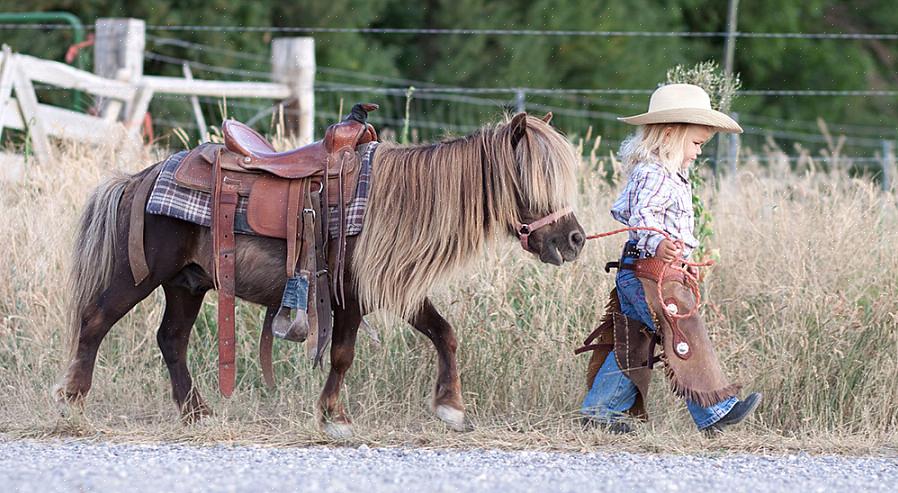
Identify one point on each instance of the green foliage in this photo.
(403, 139)
(708, 75)
(527, 61)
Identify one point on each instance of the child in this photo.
(658, 195)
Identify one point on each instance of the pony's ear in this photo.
(548, 117)
(518, 128)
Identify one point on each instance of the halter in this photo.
(523, 230)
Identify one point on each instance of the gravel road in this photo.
(28, 466)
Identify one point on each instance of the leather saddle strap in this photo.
(341, 237)
(294, 199)
(266, 347)
(322, 290)
(309, 263)
(137, 257)
(224, 249)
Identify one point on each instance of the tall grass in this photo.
(802, 306)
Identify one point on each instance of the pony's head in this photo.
(545, 187)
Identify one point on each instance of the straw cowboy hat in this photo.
(683, 103)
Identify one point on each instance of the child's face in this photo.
(696, 136)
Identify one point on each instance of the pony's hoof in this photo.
(68, 406)
(453, 418)
(338, 431)
(195, 415)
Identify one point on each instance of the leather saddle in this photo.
(288, 194)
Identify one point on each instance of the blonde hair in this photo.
(650, 144)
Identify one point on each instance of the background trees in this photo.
(488, 61)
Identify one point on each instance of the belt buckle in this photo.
(631, 251)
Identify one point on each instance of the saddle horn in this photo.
(360, 112)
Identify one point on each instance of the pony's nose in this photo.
(576, 240)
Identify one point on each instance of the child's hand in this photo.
(668, 251)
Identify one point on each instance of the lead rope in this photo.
(691, 280)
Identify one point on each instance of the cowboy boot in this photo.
(618, 427)
(738, 413)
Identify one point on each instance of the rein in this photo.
(691, 280)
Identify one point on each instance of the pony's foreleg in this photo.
(332, 416)
(181, 308)
(447, 402)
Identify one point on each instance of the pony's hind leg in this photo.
(332, 416)
(102, 283)
(182, 305)
(95, 322)
(447, 402)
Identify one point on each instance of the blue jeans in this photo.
(612, 393)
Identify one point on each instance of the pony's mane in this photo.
(432, 207)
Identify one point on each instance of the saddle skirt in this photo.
(189, 202)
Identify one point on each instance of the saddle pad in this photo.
(355, 213)
(170, 199)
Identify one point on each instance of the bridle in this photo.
(524, 230)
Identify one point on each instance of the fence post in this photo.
(519, 101)
(118, 54)
(293, 64)
(201, 127)
(888, 163)
(733, 147)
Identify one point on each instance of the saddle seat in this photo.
(310, 160)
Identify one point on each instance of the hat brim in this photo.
(698, 116)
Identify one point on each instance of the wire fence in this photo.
(489, 32)
(437, 110)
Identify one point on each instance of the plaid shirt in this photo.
(656, 198)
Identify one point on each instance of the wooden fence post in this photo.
(31, 117)
(6, 67)
(118, 54)
(201, 127)
(293, 64)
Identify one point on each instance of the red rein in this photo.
(690, 279)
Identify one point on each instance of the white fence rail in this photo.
(126, 97)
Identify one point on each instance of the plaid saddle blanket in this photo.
(170, 199)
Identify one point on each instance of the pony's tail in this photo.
(93, 254)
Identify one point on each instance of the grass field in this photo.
(802, 306)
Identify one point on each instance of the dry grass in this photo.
(802, 307)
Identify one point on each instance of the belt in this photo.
(648, 268)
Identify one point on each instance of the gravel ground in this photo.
(28, 466)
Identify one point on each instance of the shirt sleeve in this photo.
(652, 199)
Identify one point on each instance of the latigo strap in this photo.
(224, 249)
